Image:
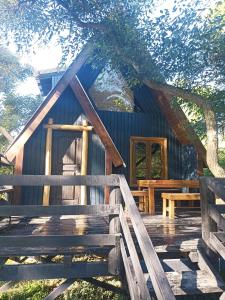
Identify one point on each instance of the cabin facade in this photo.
(75, 133)
(145, 140)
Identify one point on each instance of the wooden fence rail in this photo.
(213, 221)
(119, 239)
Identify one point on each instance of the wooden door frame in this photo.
(84, 128)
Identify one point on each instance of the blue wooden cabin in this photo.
(136, 132)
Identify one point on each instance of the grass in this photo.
(80, 290)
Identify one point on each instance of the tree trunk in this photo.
(210, 120)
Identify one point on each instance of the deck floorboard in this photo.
(181, 234)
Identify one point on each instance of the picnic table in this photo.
(151, 185)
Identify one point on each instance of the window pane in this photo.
(156, 162)
(140, 160)
(111, 92)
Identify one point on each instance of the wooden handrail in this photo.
(216, 185)
(157, 275)
(58, 210)
(144, 292)
(59, 180)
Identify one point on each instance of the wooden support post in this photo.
(114, 259)
(18, 171)
(207, 198)
(108, 171)
(48, 163)
(164, 207)
(171, 209)
(84, 163)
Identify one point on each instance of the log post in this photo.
(114, 259)
(207, 198)
(84, 163)
(18, 171)
(108, 171)
(48, 162)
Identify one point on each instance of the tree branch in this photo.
(78, 21)
(5, 133)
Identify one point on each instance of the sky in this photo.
(45, 58)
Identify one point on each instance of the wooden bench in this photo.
(142, 199)
(171, 198)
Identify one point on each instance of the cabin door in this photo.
(66, 159)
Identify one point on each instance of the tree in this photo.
(160, 49)
(15, 109)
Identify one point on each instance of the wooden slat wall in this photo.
(149, 122)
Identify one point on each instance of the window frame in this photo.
(148, 141)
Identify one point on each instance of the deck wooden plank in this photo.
(192, 282)
(179, 235)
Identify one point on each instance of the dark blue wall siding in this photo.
(66, 111)
(121, 126)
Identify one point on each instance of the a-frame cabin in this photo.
(73, 133)
(151, 140)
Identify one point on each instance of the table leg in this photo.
(164, 206)
(151, 201)
(171, 209)
(145, 204)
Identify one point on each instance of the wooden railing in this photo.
(213, 212)
(158, 278)
(119, 238)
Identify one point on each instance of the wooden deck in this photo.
(179, 235)
(167, 252)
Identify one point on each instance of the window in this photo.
(148, 159)
(111, 92)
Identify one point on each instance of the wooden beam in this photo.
(6, 134)
(131, 282)
(179, 124)
(8, 285)
(48, 162)
(95, 120)
(53, 271)
(58, 240)
(159, 280)
(217, 244)
(207, 198)
(69, 127)
(108, 171)
(59, 180)
(18, 171)
(105, 285)
(59, 290)
(48, 103)
(58, 210)
(84, 163)
(114, 257)
(134, 257)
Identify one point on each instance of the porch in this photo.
(161, 257)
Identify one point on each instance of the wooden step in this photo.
(178, 265)
(191, 283)
(174, 265)
(179, 245)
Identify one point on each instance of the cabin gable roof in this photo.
(175, 117)
(68, 79)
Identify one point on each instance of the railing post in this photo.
(207, 198)
(114, 259)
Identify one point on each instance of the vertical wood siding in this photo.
(66, 111)
(148, 122)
